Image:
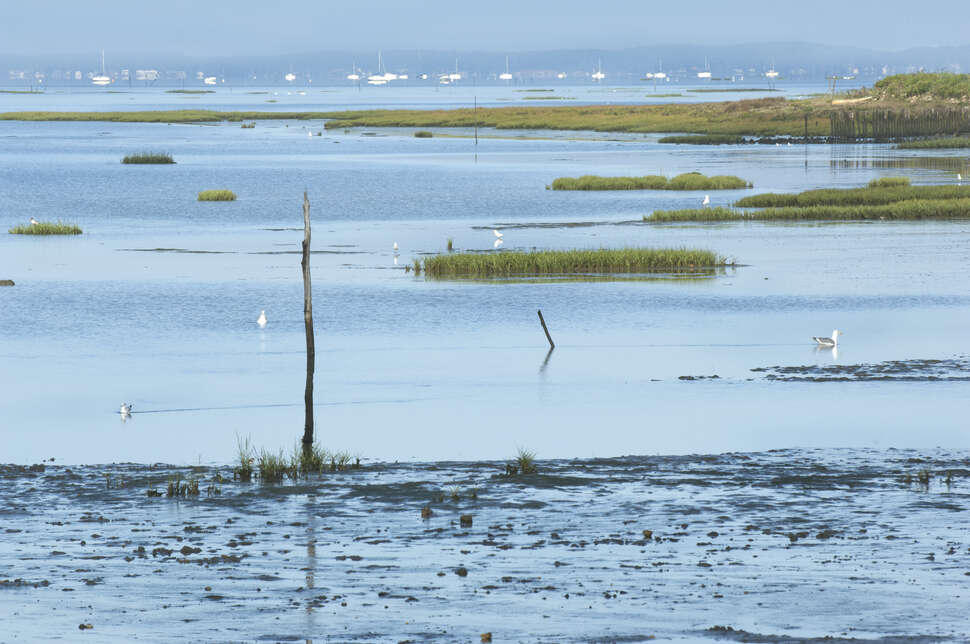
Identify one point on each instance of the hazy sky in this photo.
(224, 27)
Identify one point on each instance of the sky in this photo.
(247, 27)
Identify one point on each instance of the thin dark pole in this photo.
(552, 345)
(308, 323)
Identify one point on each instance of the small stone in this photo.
(461, 571)
(487, 637)
(208, 588)
(648, 534)
(85, 627)
(426, 512)
(466, 520)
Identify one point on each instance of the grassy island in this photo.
(148, 157)
(686, 181)
(564, 262)
(890, 198)
(46, 228)
(217, 195)
(946, 143)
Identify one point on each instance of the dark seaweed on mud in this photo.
(916, 370)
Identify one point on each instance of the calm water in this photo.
(411, 369)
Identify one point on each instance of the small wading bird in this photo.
(707, 200)
(261, 320)
(395, 245)
(829, 342)
(497, 233)
(125, 411)
(33, 222)
(959, 178)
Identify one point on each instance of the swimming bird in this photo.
(261, 320)
(395, 245)
(497, 233)
(33, 222)
(125, 410)
(829, 342)
(707, 200)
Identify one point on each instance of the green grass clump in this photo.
(248, 126)
(557, 262)
(217, 195)
(950, 142)
(46, 228)
(898, 210)
(273, 467)
(705, 139)
(888, 182)
(423, 134)
(246, 457)
(148, 157)
(687, 181)
(524, 462)
(868, 196)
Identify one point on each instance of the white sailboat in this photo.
(103, 79)
(507, 76)
(353, 75)
(598, 75)
(706, 74)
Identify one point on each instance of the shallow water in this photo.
(778, 546)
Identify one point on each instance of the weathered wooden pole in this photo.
(308, 323)
(552, 345)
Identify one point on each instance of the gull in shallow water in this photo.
(125, 411)
(829, 342)
(497, 233)
(261, 320)
(498, 242)
(707, 200)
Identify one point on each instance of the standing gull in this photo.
(497, 233)
(261, 320)
(829, 342)
(125, 411)
(33, 222)
(707, 200)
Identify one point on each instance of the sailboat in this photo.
(598, 75)
(507, 76)
(103, 79)
(353, 75)
(383, 76)
(706, 74)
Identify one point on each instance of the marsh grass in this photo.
(177, 487)
(868, 196)
(686, 181)
(423, 134)
(899, 210)
(273, 466)
(248, 126)
(524, 462)
(951, 142)
(888, 182)
(512, 263)
(217, 195)
(705, 139)
(46, 228)
(190, 91)
(245, 457)
(148, 157)
(451, 244)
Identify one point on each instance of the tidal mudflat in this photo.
(780, 546)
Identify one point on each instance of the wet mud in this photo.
(780, 546)
(915, 370)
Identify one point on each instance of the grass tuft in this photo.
(272, 467)
(620, 261)
(524, 462)
(148, 157)
(873, 195)
(217, 195)
(950, 142)
(686, 181)
(899, 210)
(244, 470)
(423, 134)
(46, 228)
(705, 139)
(888, 182)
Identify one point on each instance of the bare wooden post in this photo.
(552, 345)
(308, 323)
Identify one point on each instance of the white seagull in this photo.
(497, 233)
(707, 200)
(498, 242)
(33, 222)
(261, 320)
(829, 342)
(959, 178)
(125, 411)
